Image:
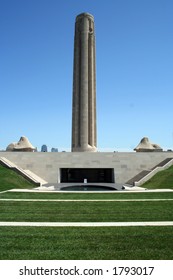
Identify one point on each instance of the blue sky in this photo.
(134, 61)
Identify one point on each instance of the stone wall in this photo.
(47, 165)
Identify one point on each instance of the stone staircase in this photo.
(145, 175)
(27, 174)
(162, 163)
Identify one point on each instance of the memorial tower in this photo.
(84, 86)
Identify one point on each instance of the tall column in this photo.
(84, 86)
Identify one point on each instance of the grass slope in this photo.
(162, 180)
(9, 179)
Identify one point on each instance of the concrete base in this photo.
(88, 148)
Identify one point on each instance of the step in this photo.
(36, 177)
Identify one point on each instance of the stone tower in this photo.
(84, 86)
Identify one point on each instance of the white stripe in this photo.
(92, 224)
(3, 192)
(84, 200)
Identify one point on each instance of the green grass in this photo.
(86, 211)
(86, 243)
(101, 196)
(9, 179)
(82, 242)
(162, 180)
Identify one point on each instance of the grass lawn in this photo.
(81, 242)
(85, 196)
(86, 243)
(86, 211)
(9, 179)
(162, 180)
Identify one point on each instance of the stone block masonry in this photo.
(84, 86)
(48, 165)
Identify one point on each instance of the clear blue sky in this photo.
(134, 51)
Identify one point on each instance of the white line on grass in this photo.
(3, 192)
(79, 224)
(84, 200)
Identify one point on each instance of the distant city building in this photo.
(54, 150)
(44, 148)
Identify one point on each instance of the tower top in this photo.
(84, 15)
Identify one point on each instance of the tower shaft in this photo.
(84, 86)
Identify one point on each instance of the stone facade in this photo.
(48, 165)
